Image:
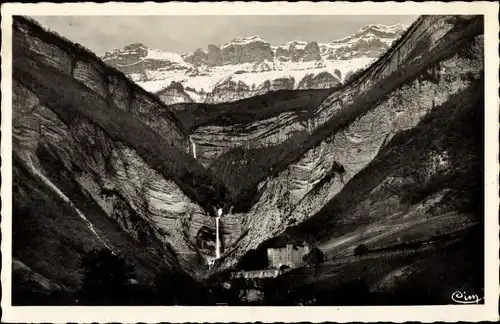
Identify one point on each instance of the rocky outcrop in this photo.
(323, 80)
(422, 185)
(230, 90)
(174, 94)
(137, 59)
(371, 47)
(245, 50)
(114, 86)
(275, 85)
(298, 52)
(213, 55)
(199, 57)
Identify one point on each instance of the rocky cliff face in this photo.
(89, 146)
(259, 122)
(369, 41)
(136, 58)
(250, 66)
(245, 50)
(439, 58)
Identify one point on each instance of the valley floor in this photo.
(426, 273)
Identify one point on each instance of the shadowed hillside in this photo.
(95, 169)
(424, 173)
(194, 115)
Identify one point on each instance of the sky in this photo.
(187, 33)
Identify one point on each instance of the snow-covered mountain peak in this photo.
(374, 30)
(384, 28)
(244, 41)
(291, 45)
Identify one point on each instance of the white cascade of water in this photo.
(217, 236)
(194, 146)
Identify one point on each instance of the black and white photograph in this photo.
(252, 160)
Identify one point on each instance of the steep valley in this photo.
(390, 158)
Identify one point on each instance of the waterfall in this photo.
(217, 235)
(194, 147)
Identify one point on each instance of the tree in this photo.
(276, 292)
(284, 267)
(106, 278)
(315, 257)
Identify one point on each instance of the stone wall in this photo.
(265, 273)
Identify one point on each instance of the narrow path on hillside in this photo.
(49, 183)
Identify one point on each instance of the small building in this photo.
(286, 252)
(210, 262)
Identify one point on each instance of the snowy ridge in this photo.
(158, 80)
(249, 64)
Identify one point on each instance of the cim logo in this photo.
(464, 298)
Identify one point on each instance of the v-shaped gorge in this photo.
(122, 162)
(284, 160)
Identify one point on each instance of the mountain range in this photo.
(249, 66)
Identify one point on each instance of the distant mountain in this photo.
(250, 66)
